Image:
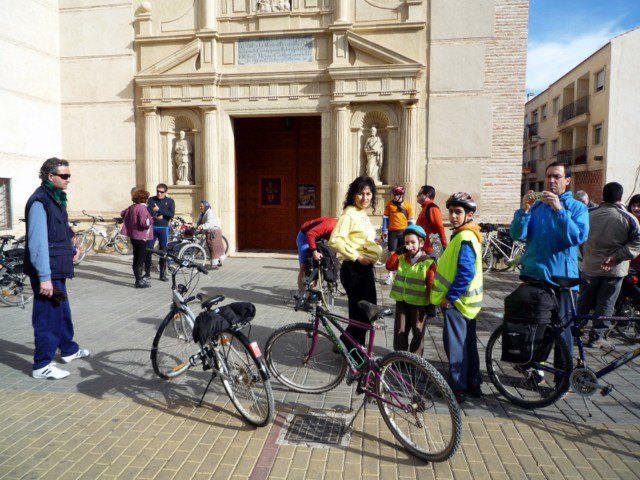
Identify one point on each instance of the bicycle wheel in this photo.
(418, 406)
(122, 245)
(226, 244)
(15, 289)
(529, 386)
(249, 387)
(487, 257)
(518, 251)
(80, 241)
(173, 345)
(194, 253)
(287, 356)
(629, 330)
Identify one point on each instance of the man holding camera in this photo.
(48, 261)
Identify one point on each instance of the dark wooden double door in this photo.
(278, 179)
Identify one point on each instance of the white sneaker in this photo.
(81, 353)
(50, 371)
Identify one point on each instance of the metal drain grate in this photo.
(316, 429)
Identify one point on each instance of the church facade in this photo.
(269, 109)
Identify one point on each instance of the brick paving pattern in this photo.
(112, 418)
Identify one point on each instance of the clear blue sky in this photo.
(562, 33)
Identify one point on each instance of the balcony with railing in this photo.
(532, 130)
(576, 156)
(574, 109)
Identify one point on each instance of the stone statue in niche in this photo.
(374, 151)
(266, 6)
(181, 157)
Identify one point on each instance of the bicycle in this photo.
(229, 355)
(317, 279)
(415, 401)
(526, 385)
(15, 287)
(177, 233)
(499, 251)
(86, 239)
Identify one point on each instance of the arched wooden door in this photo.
(278, 179)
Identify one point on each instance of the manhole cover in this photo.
(306, 428)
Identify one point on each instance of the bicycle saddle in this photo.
(374, 311)
(7, 237)
(568, 282)
(207, 303)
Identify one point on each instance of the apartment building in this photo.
(589, 118)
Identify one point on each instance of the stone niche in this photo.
(186, 191)
(384, 118)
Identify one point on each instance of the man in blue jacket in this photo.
(48, 261)
(162, 209)
(553, 227)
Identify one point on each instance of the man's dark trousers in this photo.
(52, 326)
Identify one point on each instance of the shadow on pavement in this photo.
(128, 372)
(11, 354)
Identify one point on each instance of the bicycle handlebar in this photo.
(96, 218)
(180, 261)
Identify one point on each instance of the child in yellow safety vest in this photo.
(410, 289)
(457, 288)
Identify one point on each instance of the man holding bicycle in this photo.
(553, 227)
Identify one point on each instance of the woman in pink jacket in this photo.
(138, 226)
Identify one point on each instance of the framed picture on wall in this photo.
(270, 191)
(306, 195)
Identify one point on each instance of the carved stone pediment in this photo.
(180, 61)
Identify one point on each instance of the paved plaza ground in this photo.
(113, 418)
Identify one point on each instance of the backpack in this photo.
(528, 310)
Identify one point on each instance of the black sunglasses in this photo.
(64, 176)
(161, 191)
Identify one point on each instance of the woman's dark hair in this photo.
(356, 187)
(632, 200)
(140, 196)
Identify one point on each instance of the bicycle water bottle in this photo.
(356, 357)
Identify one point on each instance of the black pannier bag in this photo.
(329, 264)
(527, 312)
(209, 325)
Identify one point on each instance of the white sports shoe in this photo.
(50, 371)
(81, 353)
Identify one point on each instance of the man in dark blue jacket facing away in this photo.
(48, 262)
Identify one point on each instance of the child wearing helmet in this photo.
(457, 288)
(411, 287)
(398, 214)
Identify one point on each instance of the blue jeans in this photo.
(162, 235)
(461, 347)
(52, 326)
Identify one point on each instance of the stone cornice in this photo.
(189, 50)
(375, 71)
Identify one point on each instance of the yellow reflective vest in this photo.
(409, 284)
(469, 302)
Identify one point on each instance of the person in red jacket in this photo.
(430, 217)
(311, 231)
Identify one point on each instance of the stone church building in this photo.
(267, 109)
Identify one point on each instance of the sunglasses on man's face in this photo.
(64, 176)
(161, 191)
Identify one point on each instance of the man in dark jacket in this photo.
(162, 209)
(614, 240)
(49, 263)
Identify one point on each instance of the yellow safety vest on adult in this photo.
(409, 285)
(469, 302)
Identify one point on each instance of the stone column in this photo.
(152, 166)
(210, 158)
(408, 148)
(343, 167)
(342, 11)
(208, 15)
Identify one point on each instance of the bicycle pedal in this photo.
(606, 390)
